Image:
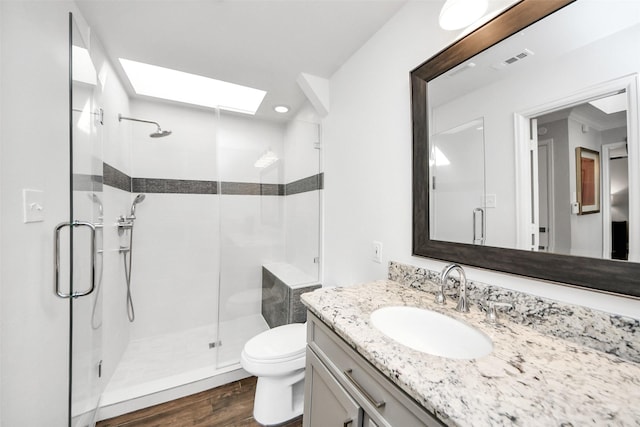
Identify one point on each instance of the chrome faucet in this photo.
(462, 299)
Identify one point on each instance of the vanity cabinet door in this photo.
(331, 404)
(382, 404)
(368, 422)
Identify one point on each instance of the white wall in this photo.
(34, 144)
(585, 240)
(301, 156)
(174, 281)
(367, 147)
(368, 162)
(188, 153)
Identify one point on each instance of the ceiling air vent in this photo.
(512, 60)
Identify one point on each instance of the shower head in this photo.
(159, 133)
(139, 198)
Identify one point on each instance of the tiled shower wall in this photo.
(187, 236)
(175, 251)
(115, 150)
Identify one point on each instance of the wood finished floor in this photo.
(230, 405)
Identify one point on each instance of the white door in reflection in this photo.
(546, 225)
(457, 194)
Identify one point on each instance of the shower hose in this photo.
(127, 273)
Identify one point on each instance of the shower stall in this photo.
(212, 202)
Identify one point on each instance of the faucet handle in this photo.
(440, 298)
(492, 314)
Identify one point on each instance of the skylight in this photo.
(165, 83)
(441, 159)
(611, 104)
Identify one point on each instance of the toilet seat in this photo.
(278, 351)
(280, 344)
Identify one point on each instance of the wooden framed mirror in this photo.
(515, 254)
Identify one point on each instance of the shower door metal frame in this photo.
(82, 302)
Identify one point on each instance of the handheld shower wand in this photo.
(124, 224)
(139, 198)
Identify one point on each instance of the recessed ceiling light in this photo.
(281, 109)
(165, 83)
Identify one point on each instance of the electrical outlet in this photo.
(376, 254)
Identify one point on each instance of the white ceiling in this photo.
(575, 26)
(263, 44)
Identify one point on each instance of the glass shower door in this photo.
(250, 168)
(82, 235)
(457, 196)
(269, 190)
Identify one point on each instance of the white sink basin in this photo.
(431, 332)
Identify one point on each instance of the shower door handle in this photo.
(479, 240)
(56, 260)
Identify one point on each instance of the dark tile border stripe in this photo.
(311, 183)
(85, 182)
(117, 179)
(251, 189)
(183, 186)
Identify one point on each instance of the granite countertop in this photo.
(528, 379)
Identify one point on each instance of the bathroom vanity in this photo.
(358, 376)
(342, 388)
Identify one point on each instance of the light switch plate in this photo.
(33, 201)
(490, 201)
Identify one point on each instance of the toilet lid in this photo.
(278, 343)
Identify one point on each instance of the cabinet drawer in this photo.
(383, 402)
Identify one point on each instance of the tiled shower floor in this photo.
(157, 363)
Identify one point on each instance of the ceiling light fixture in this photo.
(266, 159)
(165, 83)
(281, 109)
(457, 14)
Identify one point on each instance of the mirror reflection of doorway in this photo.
(598, 124)
(615, 178)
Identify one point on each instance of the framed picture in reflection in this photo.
(588, 180)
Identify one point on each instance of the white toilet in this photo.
(277, 358)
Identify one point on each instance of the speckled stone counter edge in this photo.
(610, 333)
